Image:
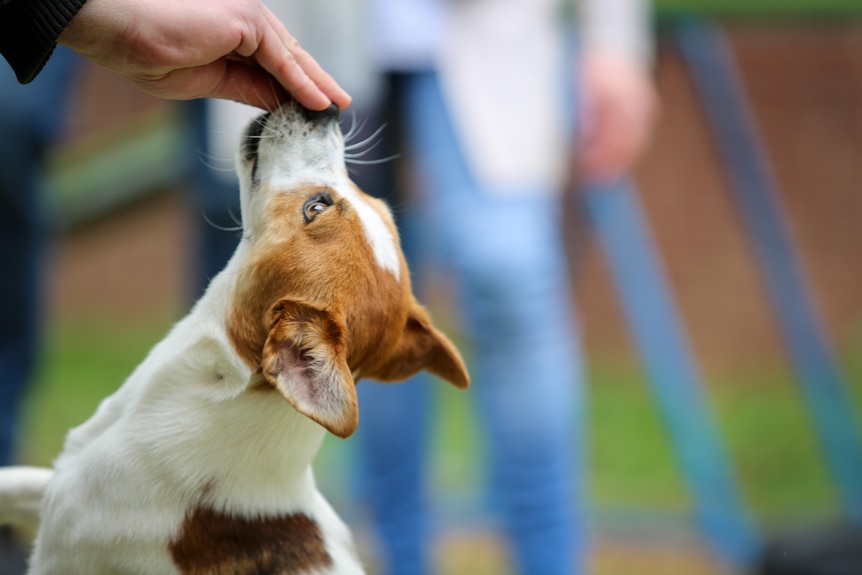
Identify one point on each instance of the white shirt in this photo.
(501, 63)
(407, 35)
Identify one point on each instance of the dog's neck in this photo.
(270, 441)
(194, 376)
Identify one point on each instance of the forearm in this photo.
(29, 30)
(622, 27)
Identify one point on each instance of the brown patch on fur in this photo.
(213, 543)
(313, 289)
(423, 347)
(326, 264)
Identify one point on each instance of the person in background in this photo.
(489, 107)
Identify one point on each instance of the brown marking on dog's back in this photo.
(214, 543)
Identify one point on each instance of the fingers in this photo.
(282, 56)
(317, 75)
(621, 107)
(254, 61)
(321, 79)
(611, 142)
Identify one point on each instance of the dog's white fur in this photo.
(196, 424)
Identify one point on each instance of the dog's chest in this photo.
(212, 541)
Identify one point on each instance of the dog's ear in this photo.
(422, 346)
(304, 358)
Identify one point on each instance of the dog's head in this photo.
(323, 294)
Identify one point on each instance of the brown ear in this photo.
(304, 359)
(422, 346)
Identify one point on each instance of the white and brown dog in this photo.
(197, 464)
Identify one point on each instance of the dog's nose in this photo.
(330, 113)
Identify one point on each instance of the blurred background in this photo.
(124, 234)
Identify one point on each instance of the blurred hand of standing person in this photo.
(620, 109)
(186, 49)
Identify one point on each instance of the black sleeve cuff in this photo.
(29, 30)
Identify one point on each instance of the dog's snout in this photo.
(330, 113)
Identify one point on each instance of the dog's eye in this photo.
(316, 205)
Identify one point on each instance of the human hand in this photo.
(185, 49)
(620, 108)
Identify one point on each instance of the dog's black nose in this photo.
(330, 113)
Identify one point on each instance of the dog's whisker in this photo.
(269, 132)
(218, 227)
(261, 121)
(359, 154)
(353, 126)
(371, 162)
(216, 162)
(261, 137)
(242, 92)
(236, 219)
(274, 94)
(352, 153)
(354, 132)
(216, 168)
(356, 122)
(268, 107)
(370, 138)
(357, 143)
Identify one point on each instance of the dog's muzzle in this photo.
(254, 132)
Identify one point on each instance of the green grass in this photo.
(761, 416)
(773, 443)
(632, 462)
(761, 7)
(82, 364)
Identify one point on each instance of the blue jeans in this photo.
(29, 119)
(505, 255)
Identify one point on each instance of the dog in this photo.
(200, 463)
